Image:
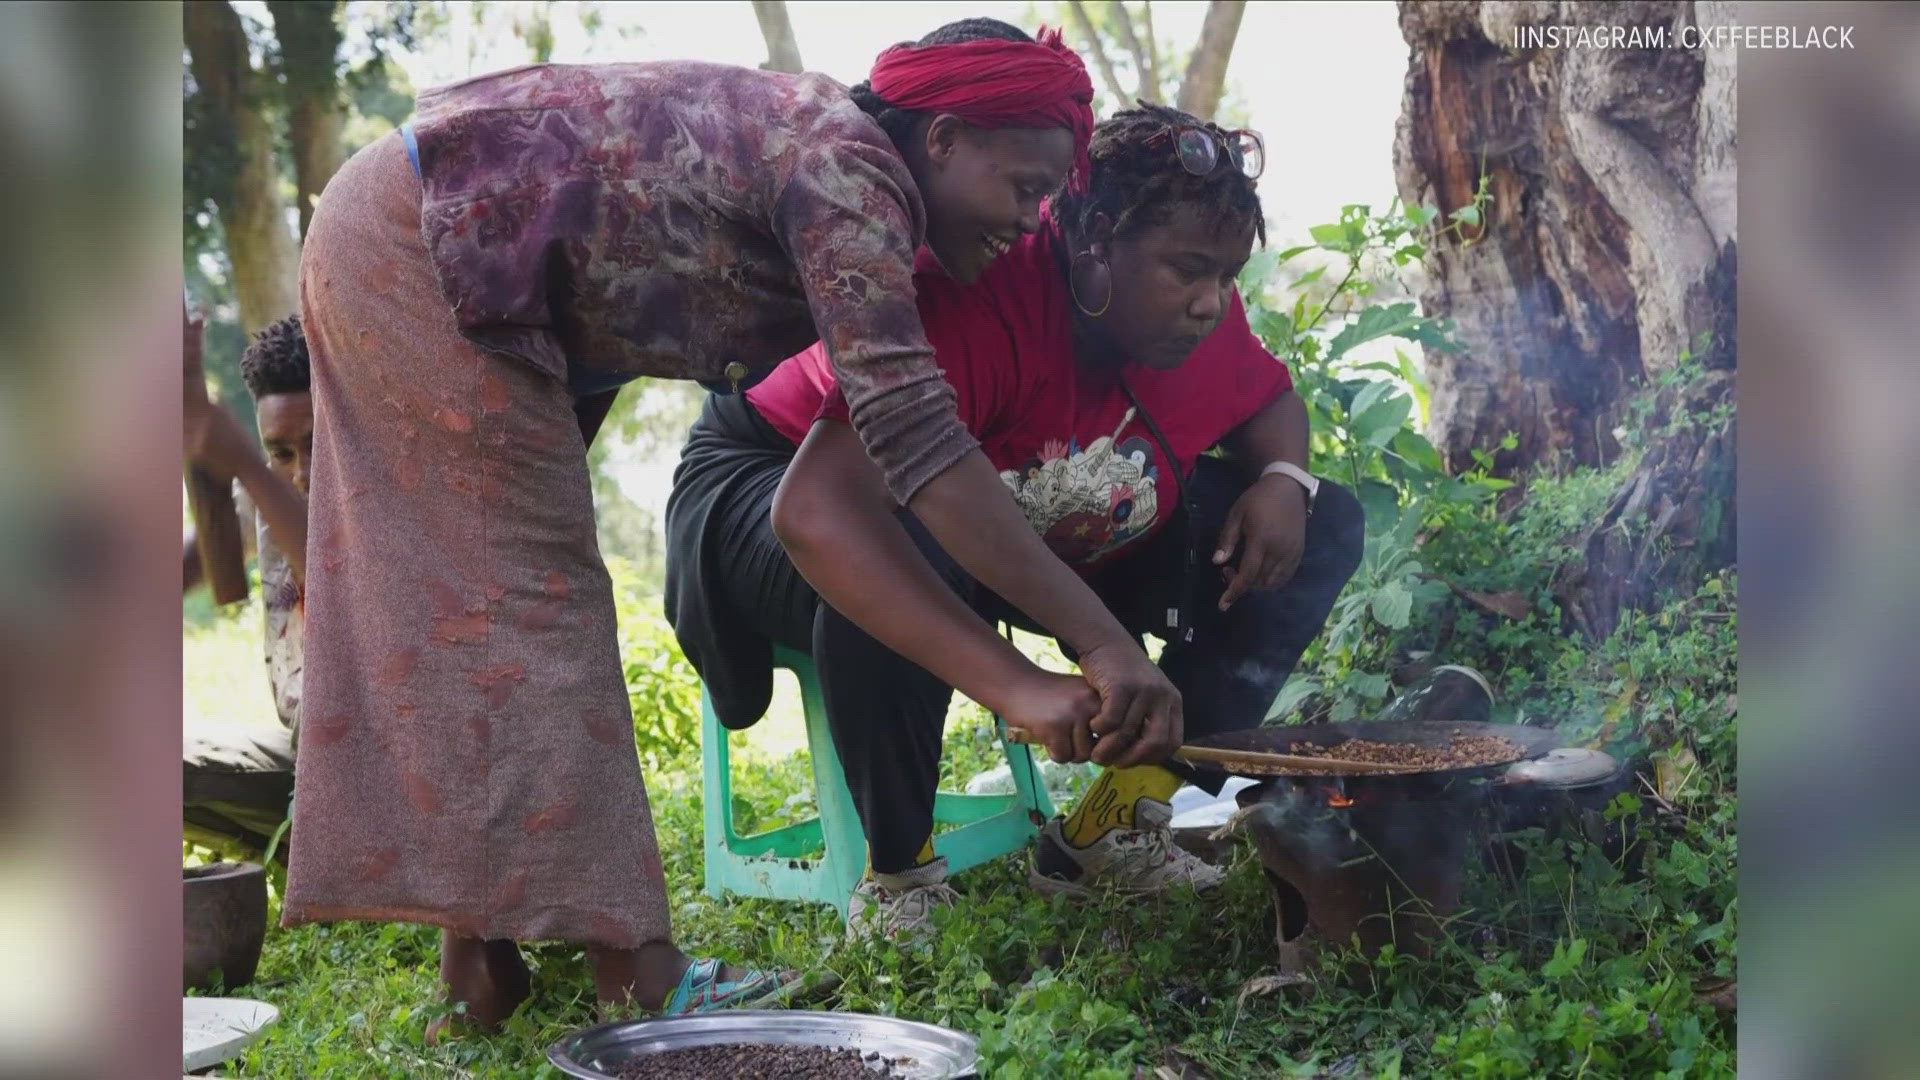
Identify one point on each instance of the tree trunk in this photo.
(1607, 250)
(309, 34)
(1670, 525)
(783, 52)
(1605, 254)
(252, 214)
(1206, 77)
(1099, 52)
(1123, 23)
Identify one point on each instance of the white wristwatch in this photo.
(1299, 475)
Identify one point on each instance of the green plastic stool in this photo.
(781, 864)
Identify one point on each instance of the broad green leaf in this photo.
(1379, 412)
(1372, 686)
(1291, 695)
(1409, 370)
(1291, 252)
(1346, 391)
(1258, 271)
(1309, 277)
(1381, 504)
(1378, 425)
(1272, 327)
(1391, 320)
(1467, 215)
(1328, 236)
(1566, 959)
(1371, 393)
(1415, 447)
(1393, 605)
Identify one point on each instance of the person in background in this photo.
(1098, 363)
(475, 289)
(238, 777)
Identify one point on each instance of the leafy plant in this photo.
(663, 688)
(1365, 416)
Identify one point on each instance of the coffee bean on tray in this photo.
(1461, 752)
(757, 1061)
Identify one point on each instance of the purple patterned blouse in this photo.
(690, 221)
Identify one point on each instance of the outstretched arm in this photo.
(214, 440)
(969, 510)
(836, 520)
(843, 220)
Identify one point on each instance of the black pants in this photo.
(888, 714)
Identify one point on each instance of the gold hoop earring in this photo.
(1074, 288)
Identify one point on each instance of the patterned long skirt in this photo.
(466, 757)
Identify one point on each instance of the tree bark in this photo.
(1606, 253)
(1206, 77)
(309, 34)
(1099, 52)
(1123, 23)
(1670, 524)
(1607, 250)
(783, 52)
(260, 245)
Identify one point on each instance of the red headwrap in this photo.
(995, 84)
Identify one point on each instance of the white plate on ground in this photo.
(1195, 809)
(213, 1030)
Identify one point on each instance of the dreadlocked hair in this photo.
(276, 362)
(898, 123)
(1138, 181)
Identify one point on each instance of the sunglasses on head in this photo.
(1199, 149)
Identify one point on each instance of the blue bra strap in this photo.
(413, 147)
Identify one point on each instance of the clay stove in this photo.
(1380, 858)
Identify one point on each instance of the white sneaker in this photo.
(900, 905)
(1140, 860)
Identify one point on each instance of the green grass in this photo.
(1581, 971)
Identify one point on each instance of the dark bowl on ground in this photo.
(224, 908)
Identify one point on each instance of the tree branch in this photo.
(260, 246)
(310, 35)
(1206, 74)
(1149, 90)
(1152, 45)
(1100, 61)
(783, 52)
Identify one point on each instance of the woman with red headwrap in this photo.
(475, 289)
(1098, 364)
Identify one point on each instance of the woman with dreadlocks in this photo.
(474, 290)
(1097, 363)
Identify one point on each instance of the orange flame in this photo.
(1338, 801)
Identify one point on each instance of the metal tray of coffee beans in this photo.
(748, 1043)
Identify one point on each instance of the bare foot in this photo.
(489, 977)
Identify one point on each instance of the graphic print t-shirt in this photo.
(1070, 445)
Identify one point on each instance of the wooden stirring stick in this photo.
(1206, 755)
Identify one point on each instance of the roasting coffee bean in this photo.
(1461, 752)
